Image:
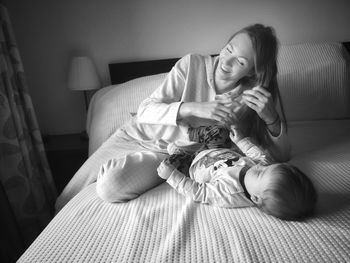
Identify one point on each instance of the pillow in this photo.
(314, 81)
(112, 106)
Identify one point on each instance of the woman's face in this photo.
(236, 61)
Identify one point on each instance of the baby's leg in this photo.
(126, 178)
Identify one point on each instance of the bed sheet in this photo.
(163, 226)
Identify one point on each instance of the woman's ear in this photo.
(256, 199)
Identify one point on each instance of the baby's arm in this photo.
(251, 150)
(222, 192)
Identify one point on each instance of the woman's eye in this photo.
(229, 49)
(240, 62)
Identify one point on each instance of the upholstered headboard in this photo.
(122, 72)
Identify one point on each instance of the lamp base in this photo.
(86, 100)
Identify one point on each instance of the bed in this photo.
(162, 226)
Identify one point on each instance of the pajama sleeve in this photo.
(254, 152)
(163, 104)
(222, 192)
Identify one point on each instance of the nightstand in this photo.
(65, 154)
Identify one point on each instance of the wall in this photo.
(49, 32)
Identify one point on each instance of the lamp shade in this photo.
(82, 74)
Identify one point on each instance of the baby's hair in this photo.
(290, 194)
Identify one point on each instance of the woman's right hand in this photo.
(219, 110)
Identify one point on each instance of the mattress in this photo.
(163, 226)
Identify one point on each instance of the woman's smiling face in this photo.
(236, 61)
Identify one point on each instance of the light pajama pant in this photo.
(134, 172)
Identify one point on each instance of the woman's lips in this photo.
(224, 69)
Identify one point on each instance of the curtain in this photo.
(25, 175)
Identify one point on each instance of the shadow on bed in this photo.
(330, 203)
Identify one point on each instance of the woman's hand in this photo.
(218, 110)
(260, 100)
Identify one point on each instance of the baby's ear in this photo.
(256, 199)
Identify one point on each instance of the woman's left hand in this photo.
(260, 100)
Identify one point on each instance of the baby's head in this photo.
(281, 190)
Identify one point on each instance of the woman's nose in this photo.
(229, 59)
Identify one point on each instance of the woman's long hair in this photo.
(265, 45)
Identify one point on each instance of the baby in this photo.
(240, 177)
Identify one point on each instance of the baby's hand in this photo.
(165, 169)
(235, 134)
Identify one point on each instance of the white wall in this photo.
(49, 32)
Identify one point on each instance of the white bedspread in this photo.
(162, 226)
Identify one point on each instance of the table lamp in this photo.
(83, 76)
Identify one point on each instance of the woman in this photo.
(187, 98)
(198, 91)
